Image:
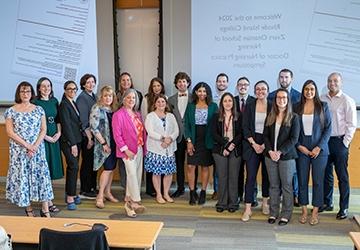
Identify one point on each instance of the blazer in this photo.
(173, 103)
(249, 100)
(190, 126)
(248, 125)
(124, 132)
(84, 103)
(220, 143)
(286, 141)
(71, 129)
(321, 130)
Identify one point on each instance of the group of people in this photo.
(286, 132)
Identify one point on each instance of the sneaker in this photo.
(88, 195)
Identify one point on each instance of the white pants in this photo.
(133, 175)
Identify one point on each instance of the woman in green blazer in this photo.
(198, 115)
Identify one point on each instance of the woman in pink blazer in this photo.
(130, 137)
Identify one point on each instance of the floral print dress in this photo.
(28, 178)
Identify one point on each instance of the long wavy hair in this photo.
(208, 93)
(271, 118)
(318, 107)
(222, 110)
(150, 96)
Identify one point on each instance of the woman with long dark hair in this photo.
(226, 130)
(315, 131)
(198, 115)
(281, 133)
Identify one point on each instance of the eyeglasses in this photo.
(71, 89)
(25, 91)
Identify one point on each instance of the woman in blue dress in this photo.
(28, 177)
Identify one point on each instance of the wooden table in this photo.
(355, 236)
(121, 234)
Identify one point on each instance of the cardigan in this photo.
(190, 127)
(125, 134)
(155, 129)
(286, 141)
(99, 123)
(220, 143)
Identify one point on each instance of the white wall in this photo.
(138, 38)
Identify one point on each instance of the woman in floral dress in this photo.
(28, 177)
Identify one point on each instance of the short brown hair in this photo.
(84, 78)
(182, 75)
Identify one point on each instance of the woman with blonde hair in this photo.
(105, 148)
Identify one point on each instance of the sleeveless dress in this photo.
(28, 178)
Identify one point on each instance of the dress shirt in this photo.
(182, 103)
(343, 115)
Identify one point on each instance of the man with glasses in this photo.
(241, 100)
(343, 126)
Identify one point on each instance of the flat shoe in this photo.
(111, 198)
(169, 199)
(71, 206)
(303, 219)
(246, 217)
(314, 221)
(100, 203)
(53, 209)
(283, 222)
(271, 220)
(266, 209)
(160, 200)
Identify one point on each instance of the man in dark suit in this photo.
(285, 80)
(178, 103)
(241, 100)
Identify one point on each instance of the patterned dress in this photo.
(28, 179)
(53, 155)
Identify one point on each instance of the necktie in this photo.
(242, 105)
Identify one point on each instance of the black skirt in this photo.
(202, 156)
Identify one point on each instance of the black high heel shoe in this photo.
(29, 213)
(44, 214)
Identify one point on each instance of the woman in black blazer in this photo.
(281, 133)
(70, 141)
(226, 131)
(253, 147)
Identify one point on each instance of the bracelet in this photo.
(104, 143)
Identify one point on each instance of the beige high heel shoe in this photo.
(129, 211)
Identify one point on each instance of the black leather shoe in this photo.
(326, 208)
(202, 197)
(283, 222)
(296, 202)
(342, 214)
(177, 193)
(254, 204)
(219, 209)
(271, 220)
(231, 210)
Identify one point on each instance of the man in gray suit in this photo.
(178, 104)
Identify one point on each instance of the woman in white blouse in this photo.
(162, 130)
(315, 130)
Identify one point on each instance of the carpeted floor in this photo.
(201, 227)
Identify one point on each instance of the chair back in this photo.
(81, 240)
